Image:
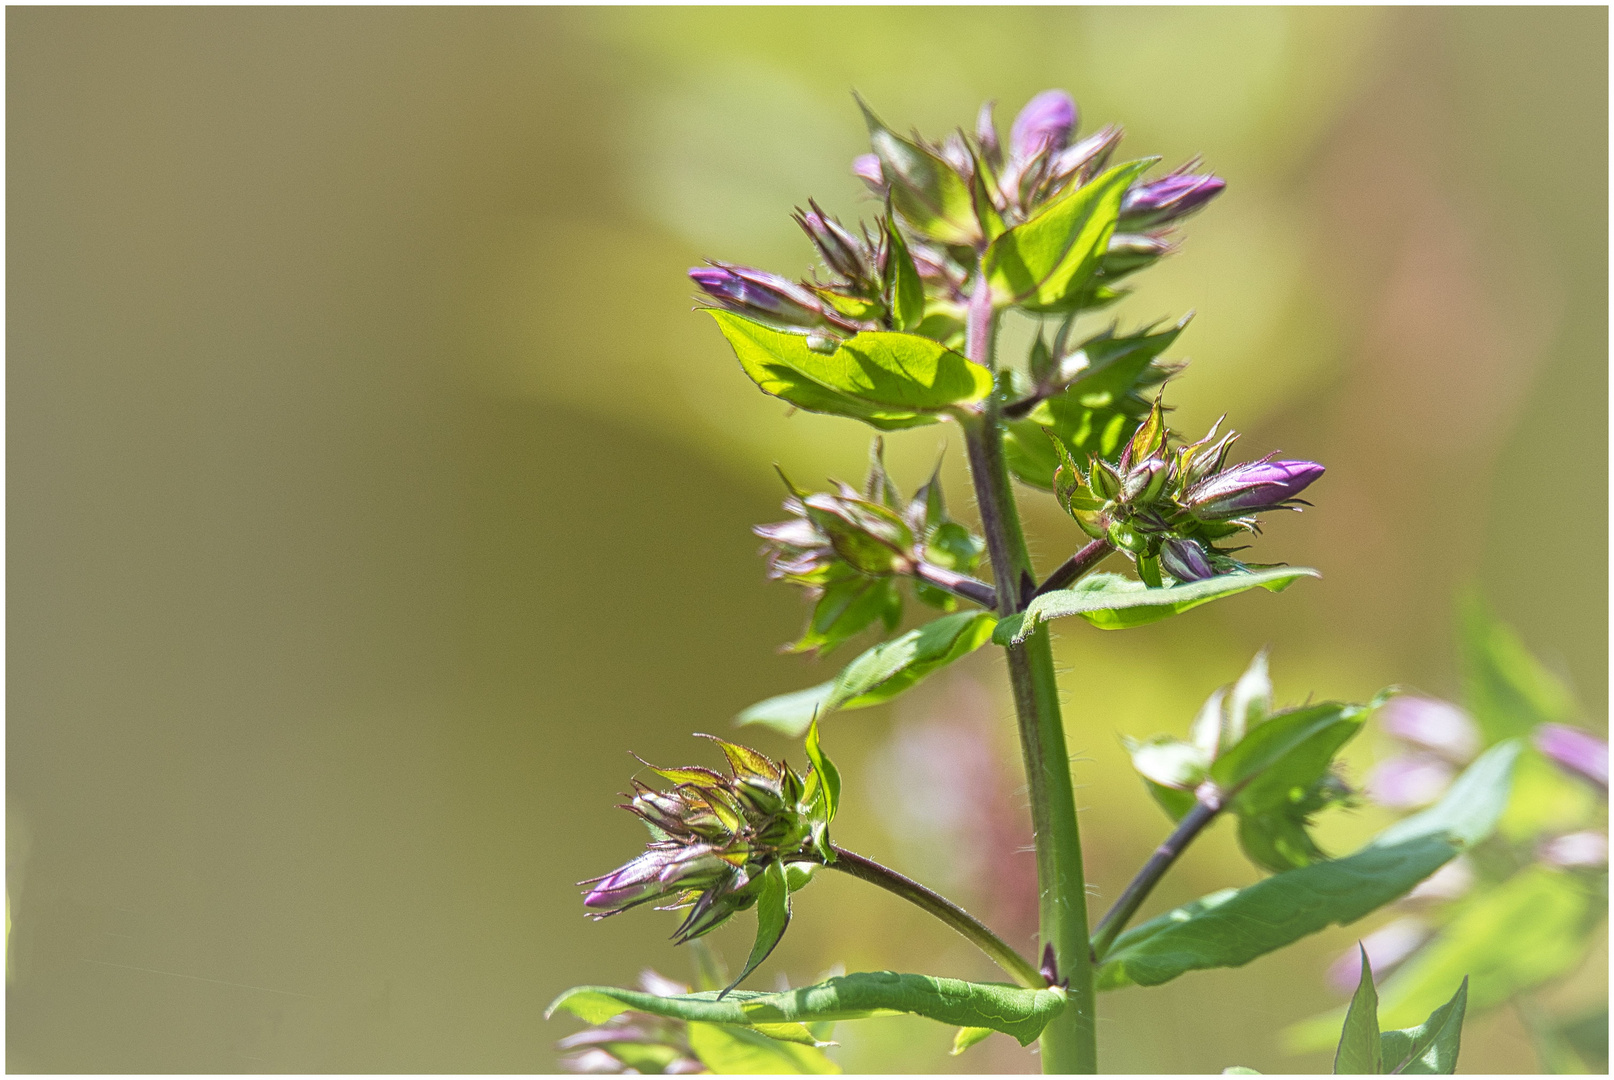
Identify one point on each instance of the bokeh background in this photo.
(372, 490)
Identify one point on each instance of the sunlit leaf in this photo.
(825, 768)
(773, 916)
(1430, 1048)
(1114, 602)
(1232, 927)
(907, 290)
(726, 1049)
(886, 379)
(968, 1037)
(1048, 261)
(1012, 1010)
(879, 674)
(1360, 1051)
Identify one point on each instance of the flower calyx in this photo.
(1167, 505)
(713, 836)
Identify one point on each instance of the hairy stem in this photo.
(1069, 1042)
(957, 584)
(1075, 567)
(980, 935)
(1117, 917)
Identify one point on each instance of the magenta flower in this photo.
(759, 293)
(1409, 781)
(1429, 724)
(1168, 199)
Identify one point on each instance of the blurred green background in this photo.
(372, 490)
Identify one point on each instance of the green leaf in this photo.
(968, 1037)
(1098, 411)
(907, 290)
(879, 674)
(1430, 1048)
(1012, 1010)
(1048, 261)
(1508, 690)
(724, 1048)
(886, 379)
(925, 190)
(773, 916)
(847, 608)
(1114, 602)
(831, 776)
(1360, 1050)
(1232, 927)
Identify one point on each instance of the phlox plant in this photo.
(898, 329)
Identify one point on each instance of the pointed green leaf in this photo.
(726, 1049)
(1012, 1010)
(847, 608)
(1232, 927)
(1360, 1050)
(879, 674)
(744, 761)
(907, 290)
(1114, 602)
(773, 916)
(826, 769)
(1048, 261)
(885, 379)
(968, 1037)
(1431, 1048)
(925, 190)
(1100, 408)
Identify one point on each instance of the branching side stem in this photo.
(957, 584)
(1115, 920)
(980, 935)
(1075, 567)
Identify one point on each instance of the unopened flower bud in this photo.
(986, 134)
(866, 167)
(1185, 560)
(1104, 480)
(1580, 752)
(759, 293)
(1437, 726)
(1133, 251)
(1145, 481)
(842, 252)
(1251, 488)
(1168, 199)
(1044, 124)
(1086, 157)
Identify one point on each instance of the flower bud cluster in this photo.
(1172, 503)
(832, 536)
(712, 836)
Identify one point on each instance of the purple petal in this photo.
(1409, 781)
(1253, 487)
(1386, 947)
(1045, 123)
(1576, 849)
(1433, 725)
(866, 167)
(1578, 751)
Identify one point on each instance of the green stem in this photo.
(1069, 1042)
(1110, 927)
(980, 935)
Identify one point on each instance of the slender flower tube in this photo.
(1251, 489)
(1168, 199)
(759, 293)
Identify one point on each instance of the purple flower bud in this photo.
(1044, 124)
(1576, 849)
(1386, 947)
(1579, 752)
(1251, 488)
(986, 134)
(842, 251)
(1087, 156)
(759, 293)
(1185, 560)
(1168, 199)
(630, 882)
(1438, 726)
(866, 167)
(1409, 781)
